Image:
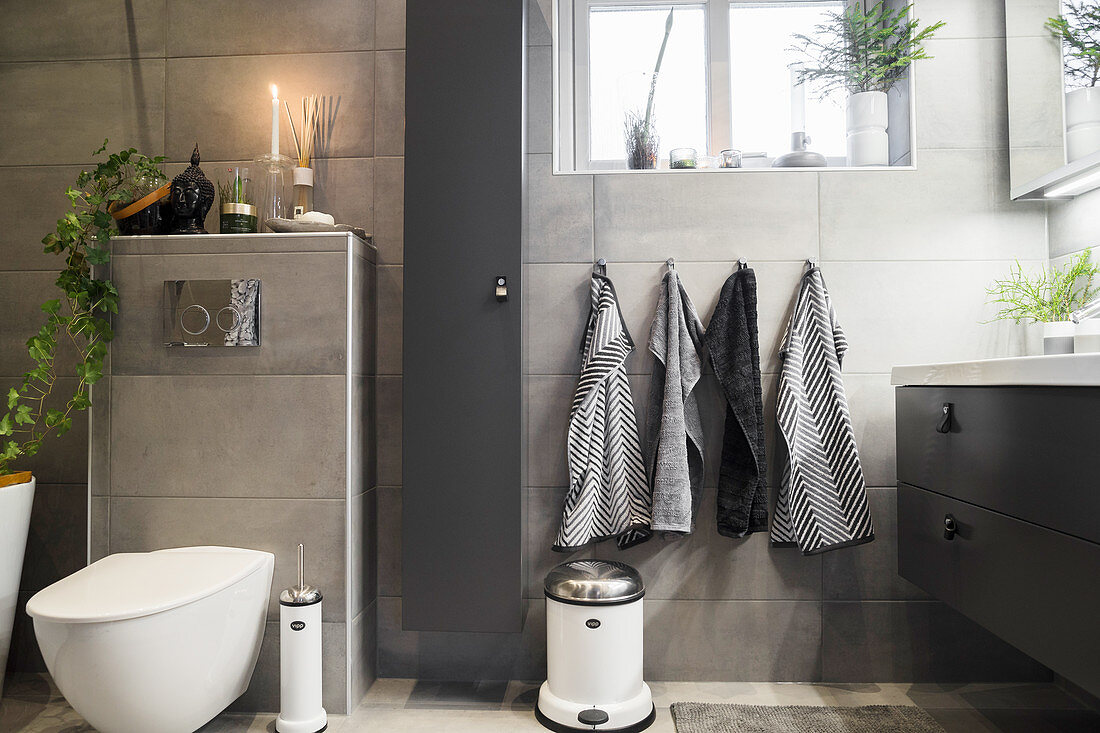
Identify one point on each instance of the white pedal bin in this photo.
(594, 650)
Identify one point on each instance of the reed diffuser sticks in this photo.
(310, 113)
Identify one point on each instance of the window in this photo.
(725, 80)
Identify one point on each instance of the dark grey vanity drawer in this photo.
(1034, 587)
(1024, 451)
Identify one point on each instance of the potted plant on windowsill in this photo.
(1079, 31)
(1045, 300)
(34, 411)
(864, 51)
(642, 141)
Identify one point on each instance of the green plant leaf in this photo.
(13, 397)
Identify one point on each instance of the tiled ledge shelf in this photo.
(736, 171)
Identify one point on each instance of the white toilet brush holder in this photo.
(300, 709)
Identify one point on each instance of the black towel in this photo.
(733, 345)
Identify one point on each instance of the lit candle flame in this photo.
(274, 92)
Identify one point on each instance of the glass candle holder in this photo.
(237, 206)
(731, 158)
(680, 158)
(303, 191)
(272, 172)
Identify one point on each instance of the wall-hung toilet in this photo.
(157, 641)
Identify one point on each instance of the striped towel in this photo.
(608, 493)
(823, 497)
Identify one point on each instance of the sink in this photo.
(1062, 370)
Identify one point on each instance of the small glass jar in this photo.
(681, 158)
(731, 158)
(272, 173)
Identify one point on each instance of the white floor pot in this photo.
(1082, 122)
(15, 521)
(867, 116)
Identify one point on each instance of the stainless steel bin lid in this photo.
(594, 583)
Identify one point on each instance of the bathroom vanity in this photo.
(998, 503)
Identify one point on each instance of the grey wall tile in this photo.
(707, 566)
(1036, 100)
(953, 115)
(1027, 18)
(870, 572)
(363, 654)
(23, 653)
(389, 431)
(964, 20)
(915, 641)
(57, 543)
(363, 551)
(398, 653)
(389, 107)
(299, 332)
(538, 22)
(760, 641)
(956, 207)
(38, 194)
(213, 28)
(558, 297)
(389, 540)
(249, 453)
(263, 691)
(206, 103)
(60, 112)
(559, 216)
(61, 460)
(21, 297)
(389, 209)
(549, 400)
(889, 317)
(364, 325)
(344, 187)
(390, 318)
(540, 108)
(389, 24)
(871, 404)
(765, 215)
(544, 508)
(1073, 224)
(141, 524)
(100, 528)
(56, 30)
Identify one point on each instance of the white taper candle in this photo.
(274, 120)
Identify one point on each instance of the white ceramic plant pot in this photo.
(1033, 339)
(1086, 337)
(867, 117)
(1082, 122)
(15, 521)
(1058, 337)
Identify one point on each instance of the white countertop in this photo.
(1069, 370)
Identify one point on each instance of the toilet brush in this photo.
(300, 658)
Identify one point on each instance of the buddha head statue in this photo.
(191, 197)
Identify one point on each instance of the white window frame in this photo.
(572, 140)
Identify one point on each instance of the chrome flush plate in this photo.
(212, 313)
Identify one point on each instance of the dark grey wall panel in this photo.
(462, 565)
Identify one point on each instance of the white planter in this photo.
(15, 520)
(1086, 337)
(1058, 337)
(1082, 122)
(867, 117)
(1033, 339)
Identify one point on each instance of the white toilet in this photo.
(156, 641)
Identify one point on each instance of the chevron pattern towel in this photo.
(823, 497)
(608, 493)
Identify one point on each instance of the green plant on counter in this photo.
(862, 50)
(1079, 31)
(82, 238)
(1046, 296)
(233, 192)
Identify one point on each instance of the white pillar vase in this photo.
(867, 117)
(1082, 122)
(15, 521)
(1058, 337)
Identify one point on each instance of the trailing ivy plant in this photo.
(862, 49)
(1046, 296)
(79, 315)
(1079, 31)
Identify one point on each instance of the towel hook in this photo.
(600, 268)
(671, 263)
(742, 263)
(811, 262)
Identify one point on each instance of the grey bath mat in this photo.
(701, 717)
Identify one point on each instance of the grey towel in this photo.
(674, 430)
(733, 344)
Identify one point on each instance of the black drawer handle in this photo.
(950, 527)
(945, 422)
